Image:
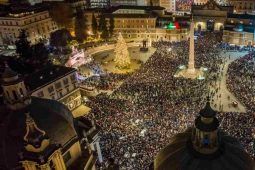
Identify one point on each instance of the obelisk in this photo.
(191, 66)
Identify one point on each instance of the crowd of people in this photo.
(241, 80)
(151, 106)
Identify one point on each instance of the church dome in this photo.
(179, 155)
(203, 147)
(51, 118)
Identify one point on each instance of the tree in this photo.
(122, 58)
(80, 26)
(23, 47)
(40, 54)
(111, 27)
(103, 27)
(94, 25)
(105, 34)
(62, 14)
(102, 23)
(60, 38)
(31, 57)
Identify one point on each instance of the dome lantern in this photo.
(205, 134)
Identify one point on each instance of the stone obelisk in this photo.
(191, 66)
(191, 72)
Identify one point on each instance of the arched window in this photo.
(206, 140)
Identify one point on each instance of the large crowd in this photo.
(151, 106)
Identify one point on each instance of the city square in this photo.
(151, 108)
(127, 85)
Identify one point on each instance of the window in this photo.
(72, 77)
(58, 85)
(60, 94)
(65, 81)
(50, 89)
(40, 94)
(67, 156)
(206, 140)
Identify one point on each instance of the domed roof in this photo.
(9, 75)
(179, 155)
(8, 72)
(50, 116)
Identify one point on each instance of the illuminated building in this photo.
(123, 2)
(140, 22)
(58, 83)
(166, 4)
(130, 2)
(242, 6)
(37, 23)
(77, 4)
(203, 146)
(200, 1)
(41, 133)
(239, 29)
(210, 16)
(99, 3)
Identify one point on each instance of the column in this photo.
(99, 152)
(191, 67)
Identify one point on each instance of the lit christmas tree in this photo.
(122, 58)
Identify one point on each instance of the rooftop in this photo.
(46, 76)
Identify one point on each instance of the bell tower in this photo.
(15, 92)
(205, 139)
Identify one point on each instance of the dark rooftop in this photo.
(46, 76)
(207, 112)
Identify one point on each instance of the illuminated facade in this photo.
(99, 3)
(210, 16)
(240, 29)
(166, 4)
(242, 6)
(138, 23)
(39, 133)
(38, 25)
(57, 83)
(123, 2)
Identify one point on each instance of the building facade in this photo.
(243, 6)
(57, 83)
(37, 24)
(139, 23)
(240, 30)
(98, 3)
(210, 16)
(123, 2)
(167, 4)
